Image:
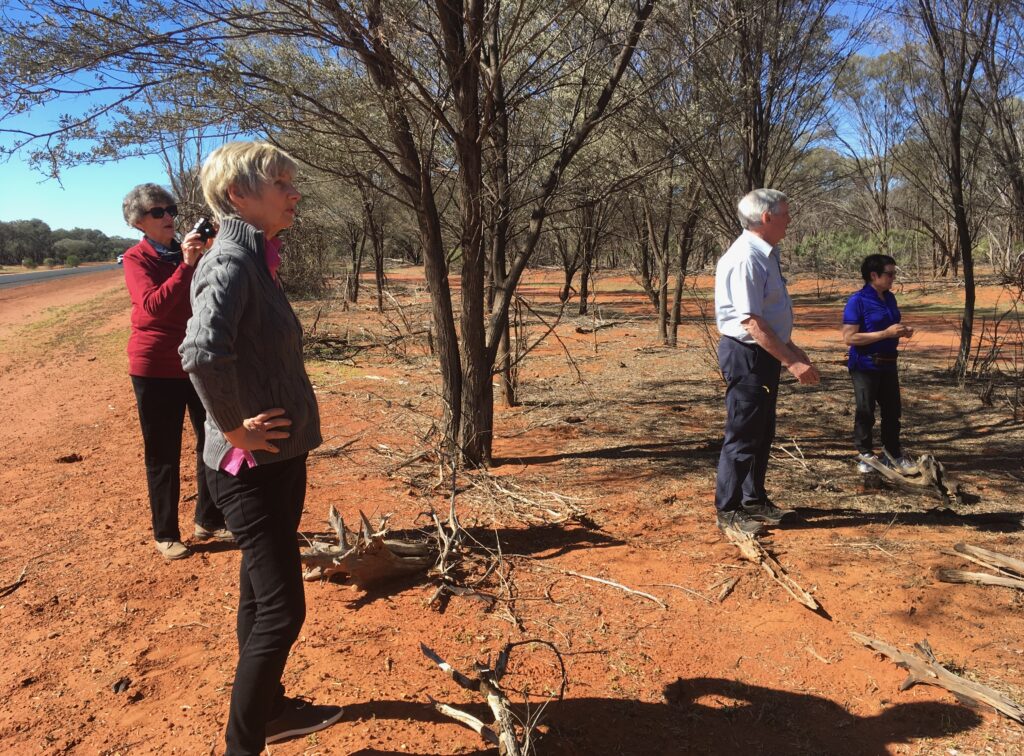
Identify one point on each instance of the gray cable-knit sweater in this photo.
(243, 347)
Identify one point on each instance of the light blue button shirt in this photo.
(748, 281)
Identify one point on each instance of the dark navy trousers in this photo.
(751, 395)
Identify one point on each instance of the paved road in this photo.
(11, 280)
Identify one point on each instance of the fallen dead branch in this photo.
(928, 671)
(683, 588)
(756, 553)
(530, 506)
(12, 587)
(930, 474)
(613, 584)
(992, 559)
(979, 578)
(597, 327)
(503, 731)
(366, 556)
(1010, 569)
(333, 451)
(727, 588)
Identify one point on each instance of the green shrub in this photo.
(72, 261)
(49, 262)
(28, 262)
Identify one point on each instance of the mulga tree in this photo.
(421, 75)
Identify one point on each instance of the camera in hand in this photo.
(205, 229)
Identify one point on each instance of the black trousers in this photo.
(881, 387)
(161, 403)
(751, 396)
(262, 507)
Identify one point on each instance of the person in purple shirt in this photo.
(872, 328)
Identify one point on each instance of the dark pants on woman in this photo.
(881, 387)
(162, 403)
(262, 507)
(751, 395)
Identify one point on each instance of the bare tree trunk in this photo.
(357, 246)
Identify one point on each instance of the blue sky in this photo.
(89, 198)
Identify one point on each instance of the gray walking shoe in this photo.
(766, 512)
(738, 520)
(219, 534)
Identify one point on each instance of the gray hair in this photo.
(244, 167)
(757, 203)
(142, 198)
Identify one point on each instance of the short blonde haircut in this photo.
(244, 166)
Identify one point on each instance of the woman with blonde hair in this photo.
(243, 352)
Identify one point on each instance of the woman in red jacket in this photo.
(158, 271)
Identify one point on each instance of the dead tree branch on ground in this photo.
(928, 671)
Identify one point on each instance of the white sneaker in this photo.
(862, 463)
(903, 465)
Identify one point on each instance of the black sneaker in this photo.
(766, 511)
(739, 520)
(301, 717)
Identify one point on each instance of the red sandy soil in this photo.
(630, 430)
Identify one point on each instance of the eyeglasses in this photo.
(158, 212)
(890, 273)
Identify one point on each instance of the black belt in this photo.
(885, 359)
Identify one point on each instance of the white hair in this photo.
(757, 203)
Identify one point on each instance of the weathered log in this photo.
(979, 578)
(928, 671)
(755, 552)
(930, 474)
(992, 559)
(367, 557)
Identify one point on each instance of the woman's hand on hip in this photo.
(256, 433)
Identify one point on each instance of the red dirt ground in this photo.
(630, 430)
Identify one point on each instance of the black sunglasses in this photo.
(158, 212)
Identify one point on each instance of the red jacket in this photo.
(159, 292)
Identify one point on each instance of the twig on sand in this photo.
(682, 588)
(610, 583)
(12, 587)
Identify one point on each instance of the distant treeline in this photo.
(34, 240)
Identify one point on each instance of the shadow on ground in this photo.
(708, 716)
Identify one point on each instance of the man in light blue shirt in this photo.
(755, 317)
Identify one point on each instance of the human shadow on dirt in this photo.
(662, 451)
(709, 716)
(847, 517)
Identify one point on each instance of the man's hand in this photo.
(805, 373)
(255, 433)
